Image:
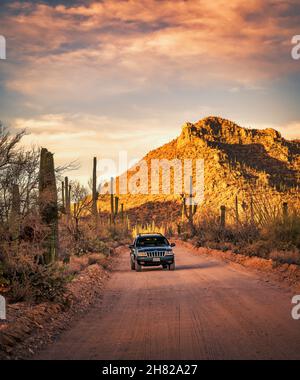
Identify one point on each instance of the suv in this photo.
(151, 250)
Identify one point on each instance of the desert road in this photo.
(205, 309)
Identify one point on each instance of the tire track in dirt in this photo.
(205, 309)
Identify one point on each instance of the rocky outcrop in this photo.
(239, 162)
(259, 151)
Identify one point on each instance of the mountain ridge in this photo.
(238, 161)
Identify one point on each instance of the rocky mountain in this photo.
(239, 162)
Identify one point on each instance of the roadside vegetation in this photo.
(48, 232)
(269, 231)
(51, 226)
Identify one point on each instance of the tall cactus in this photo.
(67, 196)
(114, 203)
(237, 217)
(285, 210)
(191, 210)
(252, 211)
(63, 208)
(223, 216)
(95, 193)
(14, 220)
(48, 203)
(122, 212)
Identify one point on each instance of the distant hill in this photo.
(238, 162)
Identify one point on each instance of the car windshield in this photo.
(151, 241)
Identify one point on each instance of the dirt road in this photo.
(206, 309)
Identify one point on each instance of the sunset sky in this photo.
(95, 77)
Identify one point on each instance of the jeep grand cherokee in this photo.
(151, 250)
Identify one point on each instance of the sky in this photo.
(91, 78)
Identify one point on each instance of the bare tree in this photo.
(8, 146)
(82, 203)
(22, 171)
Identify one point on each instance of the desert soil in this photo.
(205, 309)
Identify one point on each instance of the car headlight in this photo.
(169, 253)
(142, 254)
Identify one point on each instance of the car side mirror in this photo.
(173, 245)
(131, 246)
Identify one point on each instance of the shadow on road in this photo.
(199, 266)
(178, 267)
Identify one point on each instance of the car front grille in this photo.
(156, 254)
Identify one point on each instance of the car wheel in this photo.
(138, 266)
(132, 264)
(172, 266)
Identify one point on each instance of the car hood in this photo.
(149, 249)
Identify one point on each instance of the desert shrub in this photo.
(278, 235)
(37, 283)
(48, 283)
(285, 257)
(76, 265)
(96, 258)
(259, 248)
(84, 239)
(97, 245)
(67, 241)
(209, 230)
(91, 244)
(284, 232)
(27, 279)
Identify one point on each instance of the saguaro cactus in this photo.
(223, 217)
(69, 199)
(285, 210)
(114, 203)
(67, 196)
(191, 210)
(95, 193)
(122, 212)
(63, 209)
(14, 221)
(252, 210)
(237, 218)
(48, 203)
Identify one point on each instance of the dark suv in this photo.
(151, 250)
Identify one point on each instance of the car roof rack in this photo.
(149, 233)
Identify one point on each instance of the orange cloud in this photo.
(146, 39)
(63, 58)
